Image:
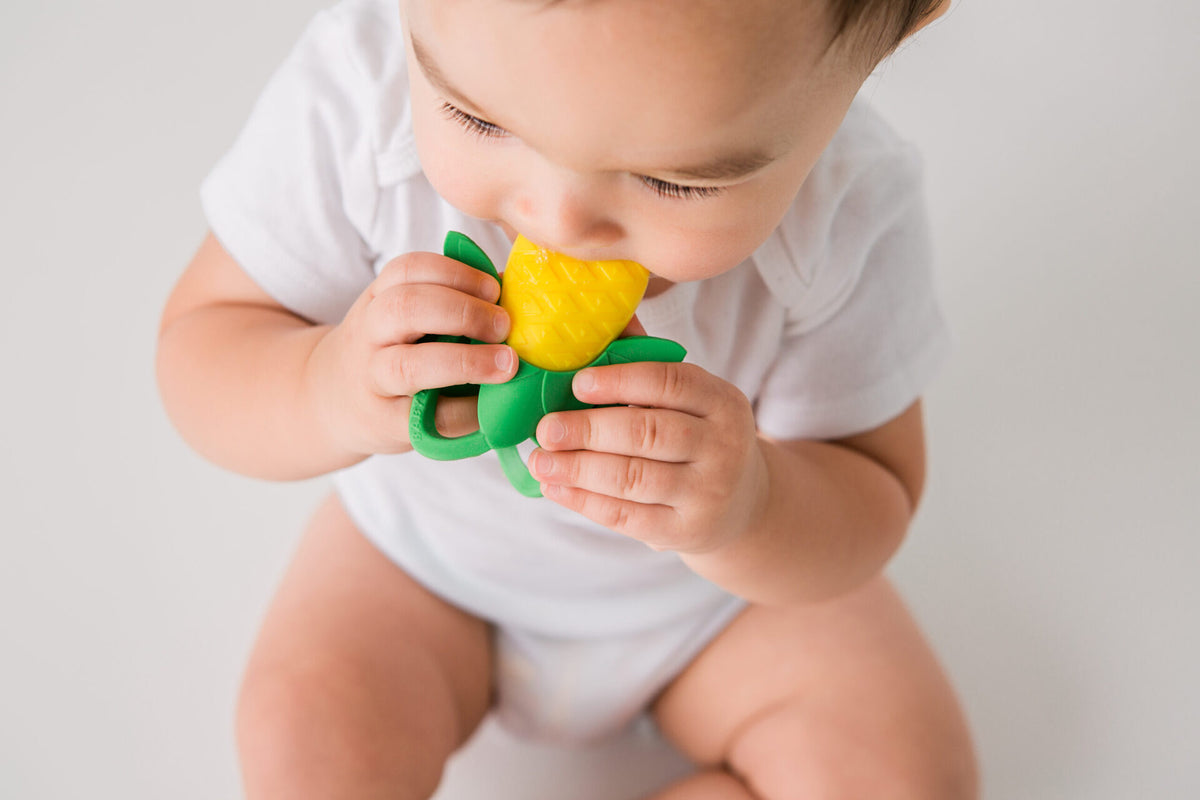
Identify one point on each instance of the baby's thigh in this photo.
(361, 683)
(838, 699)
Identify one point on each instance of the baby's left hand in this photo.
(676, 464)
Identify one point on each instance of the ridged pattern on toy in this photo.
(564, 311)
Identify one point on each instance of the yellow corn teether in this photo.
(566, 314)
(565, 311)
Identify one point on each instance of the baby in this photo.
(710, 547)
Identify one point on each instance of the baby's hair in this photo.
(874, 28)
(866, 30)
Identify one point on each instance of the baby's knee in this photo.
(313, 732)
(783, 756)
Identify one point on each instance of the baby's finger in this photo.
(656, 525)
(682, 387)
(453, 417)
(634, 328)
(405, 313)
(432, 268)
(659, 434)
(402, 370)
(456, 416)
(638, 479)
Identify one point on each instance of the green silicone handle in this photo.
(517, 473)
(424, 436)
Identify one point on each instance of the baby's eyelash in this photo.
(472, 123)
(678, 191)
(490, 130)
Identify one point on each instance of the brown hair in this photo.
(874, 28)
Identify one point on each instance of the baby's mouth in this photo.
(581, 255)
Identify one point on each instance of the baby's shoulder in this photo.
(864, 133)
(357, 69)
(863, 183)
(368, 30)
(866, 167)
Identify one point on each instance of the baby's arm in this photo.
(262, 391)
(686, 470)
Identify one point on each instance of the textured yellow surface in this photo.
(565, 311)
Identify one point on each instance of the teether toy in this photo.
(566, 315)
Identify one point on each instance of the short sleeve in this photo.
(294, 198)
(864, 333)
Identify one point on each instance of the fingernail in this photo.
(552, 430)
(584, 382)
(504, 359)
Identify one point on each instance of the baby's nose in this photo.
(570, 216)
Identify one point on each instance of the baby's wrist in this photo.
(746, 532)
(324, 404)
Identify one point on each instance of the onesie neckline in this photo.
(667, 306)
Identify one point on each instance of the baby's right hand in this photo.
(365, 370)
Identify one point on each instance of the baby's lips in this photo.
(634, 328)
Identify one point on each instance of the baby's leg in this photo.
(361, 683)
(838, 700)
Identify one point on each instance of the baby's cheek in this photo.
(471, 199)
(704, 238)
(461, 185)
(700, 253)
(454, 172)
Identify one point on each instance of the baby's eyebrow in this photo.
(722, 168)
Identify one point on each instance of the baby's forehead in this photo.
(757, 39)
(757, 19)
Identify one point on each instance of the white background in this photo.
(1054, 563)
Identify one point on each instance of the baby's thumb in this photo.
(634, 328)
(456, 416)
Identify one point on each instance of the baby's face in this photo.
(674, 133)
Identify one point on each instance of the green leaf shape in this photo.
(460, 247)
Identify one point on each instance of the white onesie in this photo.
(831, 328)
